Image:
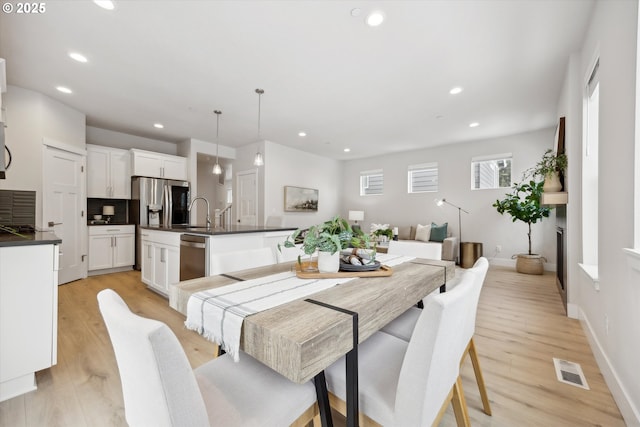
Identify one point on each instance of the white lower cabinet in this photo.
(28, 315)
(111, 247)
(160, 259)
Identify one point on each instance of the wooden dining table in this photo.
(299, 339)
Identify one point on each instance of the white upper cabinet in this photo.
(108, 172)
(158, 165)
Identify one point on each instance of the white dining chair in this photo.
(160, 388)
(290, 254)
(403, 326)
(225, 262)
(410, 384)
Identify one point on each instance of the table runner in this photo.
(218, 313)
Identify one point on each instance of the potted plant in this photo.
(523, 204)
(549, 168)
(328, 239)
(387, 233)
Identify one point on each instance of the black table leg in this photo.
(323, 400)
(352, 387)
(351, 370)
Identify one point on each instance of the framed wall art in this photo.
(299, 199)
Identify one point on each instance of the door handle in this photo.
(51, 223)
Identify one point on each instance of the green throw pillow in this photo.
(438, 232)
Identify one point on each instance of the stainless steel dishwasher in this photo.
(194, 256)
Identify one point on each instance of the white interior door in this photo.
(247, 189)
(63, 209)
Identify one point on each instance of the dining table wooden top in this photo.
(301, 338)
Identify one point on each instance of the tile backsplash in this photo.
(17, 207)
(120, 209)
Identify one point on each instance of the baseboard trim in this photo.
(109, 270)
(628, 410)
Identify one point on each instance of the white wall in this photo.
(32, 118)
(286, 166)
(570, 106)
(198, 174)
(483, 223)
(609, 310)
(209, 187)
(125, 141)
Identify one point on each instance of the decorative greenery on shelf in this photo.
(330, 236)
(523, 204)
(549, 163)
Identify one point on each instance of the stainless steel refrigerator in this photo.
(160, 202)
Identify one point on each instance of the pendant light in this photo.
(217, 170)
(258, 160)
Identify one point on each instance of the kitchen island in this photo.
(218, 231)
(28, 309)
(161, 247)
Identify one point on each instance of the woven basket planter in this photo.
(529, 264)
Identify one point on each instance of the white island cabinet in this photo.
(28, 315)
(160, 259)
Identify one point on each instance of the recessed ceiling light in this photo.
(158, 125)
(346, 150)
(375, 18)
(474, 125)
(456, 90)
(78, 57)
(64, 89)
(105, 4)
(356, 12)
(302, 134)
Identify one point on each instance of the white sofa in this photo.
(407, 244)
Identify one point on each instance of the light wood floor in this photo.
(521, 326)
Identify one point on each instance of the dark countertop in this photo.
(230, 229)
(36, 238)
(107, 224)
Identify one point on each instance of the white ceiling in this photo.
(374, 90)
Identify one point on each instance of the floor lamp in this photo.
(441, 202)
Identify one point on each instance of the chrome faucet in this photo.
(208, 216)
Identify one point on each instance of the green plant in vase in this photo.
(549, 168)
(329, 237)
(523, 204)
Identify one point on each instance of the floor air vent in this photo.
(570, 373)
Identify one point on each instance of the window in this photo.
(590, 169)
(423, 178)
(371, 182)
(491, 171)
